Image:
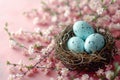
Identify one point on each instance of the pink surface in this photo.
(11, 12)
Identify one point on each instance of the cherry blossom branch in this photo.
(35, 65)
(30, 67)
(12, 39)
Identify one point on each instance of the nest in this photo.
(84, 61)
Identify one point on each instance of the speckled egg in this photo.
(75, 44)
(94, 42)
(82, 29)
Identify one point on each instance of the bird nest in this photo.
(84, 61)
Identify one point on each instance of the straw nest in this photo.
(84, 61)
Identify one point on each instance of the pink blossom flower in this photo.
(105, 2)
(108, 67)
(117, 1)
(86, 10)
(117, 78)
(105, 12)
(112, 8)
(35, 70)
(105, 21)
(115, 18)
(13, 70)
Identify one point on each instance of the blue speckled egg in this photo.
(75, 44)
(82, 29)
(94, 42)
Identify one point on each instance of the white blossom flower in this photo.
(13, 44)
(100, 72)
(11, 77)
(117, 26)
(13, 70)
(67, 13)
(37, 57)
(31, 49)
(60, 78)
(105, 20)
(61, 0)
(76, 79)
(85, 77)
(82, 3)
(20, 63)
(109, 74)
(37, 30)
(114, 26)
(44, 51)
(91, 78)
(54, 18)
(99, 11)
(37, 44)
(88, 18)
(118, 13)
(46, 33)
(51, 45)
(36, 20)
(58, 65)
(52, 79)
(49, 48)
(64, 71)
(49, 64)
(19, 75)
(51, 28)
(94, 4)
(19, 32)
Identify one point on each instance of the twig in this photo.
(35, 65)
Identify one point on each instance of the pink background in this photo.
(11, 12)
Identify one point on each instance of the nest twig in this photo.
(84, 61)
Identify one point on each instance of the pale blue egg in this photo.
(94, 42)
(75, 44)
(82, 29)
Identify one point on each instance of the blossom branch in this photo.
(12, 39)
